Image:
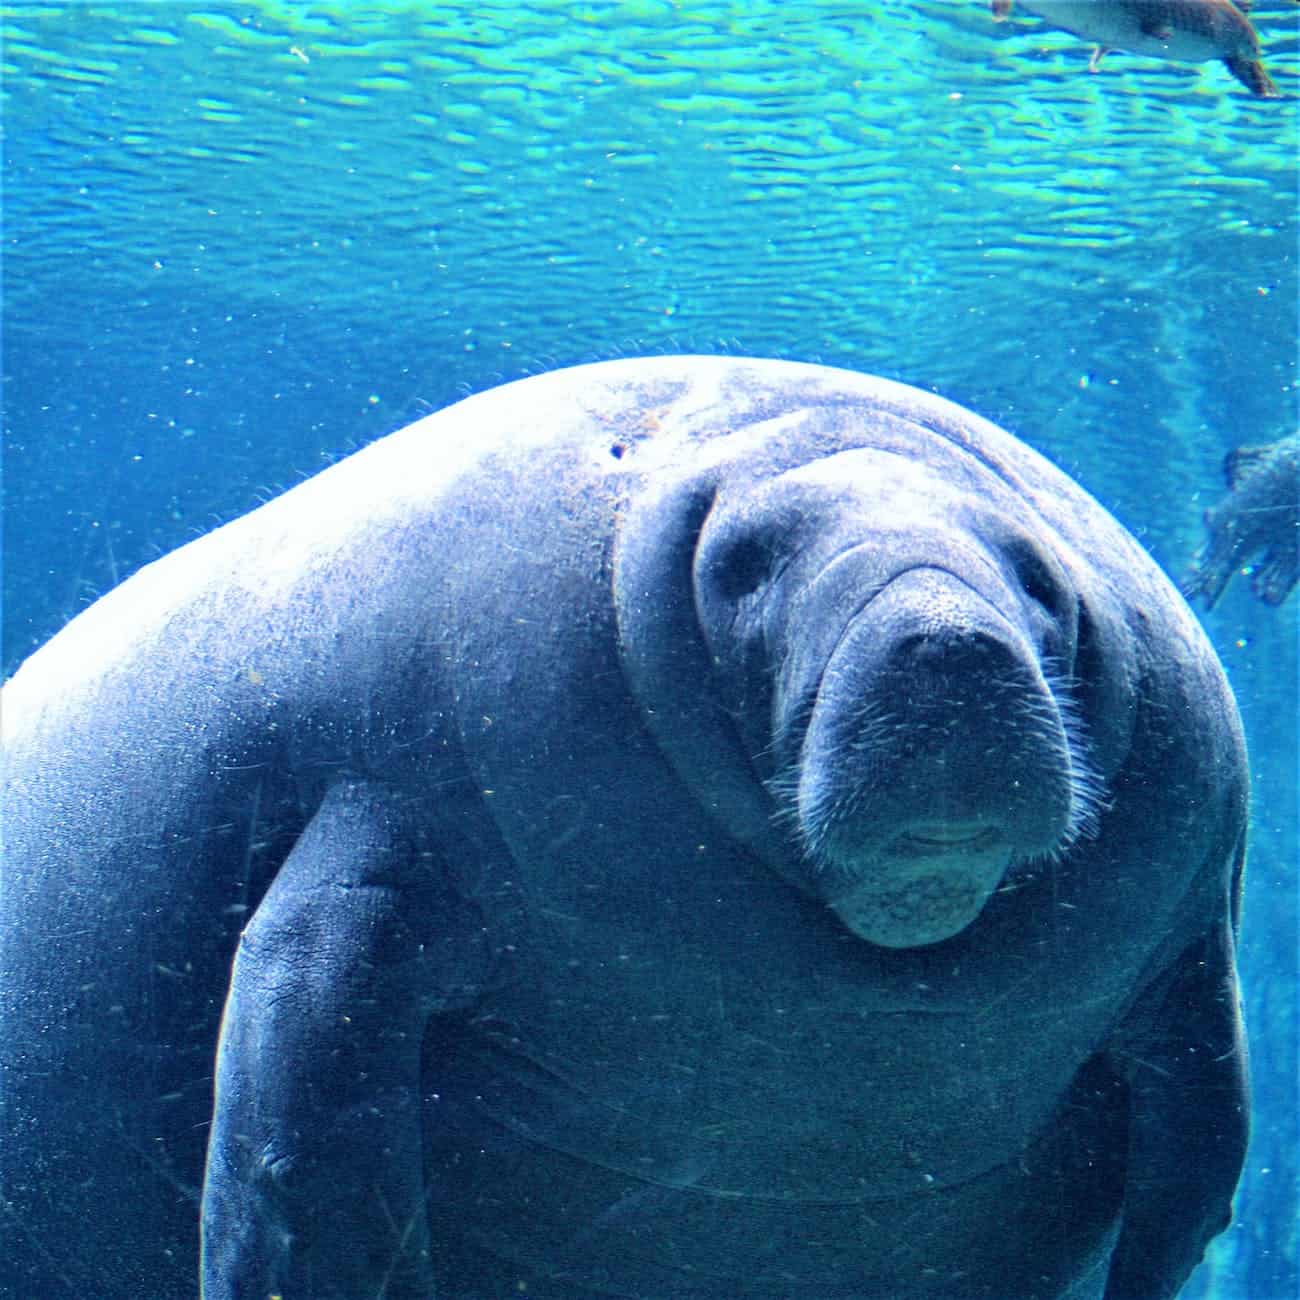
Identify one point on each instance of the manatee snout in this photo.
(936, 755)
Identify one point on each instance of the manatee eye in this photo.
(743, 567)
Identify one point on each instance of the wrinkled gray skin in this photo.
(683, 828)
(1259, 517)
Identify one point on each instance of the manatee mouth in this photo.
(943, 839)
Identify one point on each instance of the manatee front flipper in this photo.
(315, 1183)
(1251, 74)
(1188, 1124)
(1261, 513)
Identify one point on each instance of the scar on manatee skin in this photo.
(649, 423)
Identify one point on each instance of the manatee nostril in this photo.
(946, 649)
(912, 644)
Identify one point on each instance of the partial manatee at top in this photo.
(1190, 31)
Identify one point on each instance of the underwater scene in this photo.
(243, 242)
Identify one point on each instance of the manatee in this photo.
(1188, 31)
(684, 827)
(1260, 516)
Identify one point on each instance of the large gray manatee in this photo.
(681, 829)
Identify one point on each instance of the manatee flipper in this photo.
(1260, 515)
(1189, 1122)
(314, 1183)
(1241, 461)
(1251, 74)
(1276, 575)
(1228, 544)
(1215, 563)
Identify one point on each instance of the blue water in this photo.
(242, 240)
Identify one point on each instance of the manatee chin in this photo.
(925, 885)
